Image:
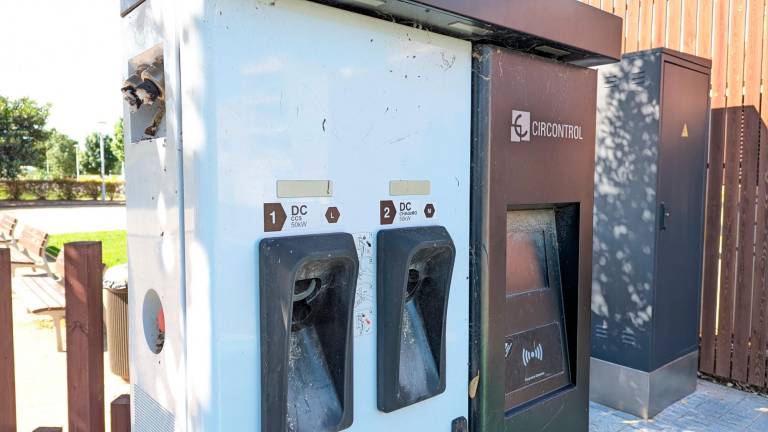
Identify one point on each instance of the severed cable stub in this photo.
(129, 92)
(152, 86)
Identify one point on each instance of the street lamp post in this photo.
(77, 162)
(101, 156)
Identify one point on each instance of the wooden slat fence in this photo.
(85, 343)
(7, 377)
(734, 34)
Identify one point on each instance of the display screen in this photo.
(526, 262)
(535, 353)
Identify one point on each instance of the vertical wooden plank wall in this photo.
(646, 21)
(659, 29)
(85, 336)
(760, 339)
(674, 23)
(753, 60)
(713, 207)
(7, 377)
(734, 82)
(690, 29)
(631, 25)
(734, 34)
(120, 414)
(747, 172)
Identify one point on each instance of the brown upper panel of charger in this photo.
(565, 30)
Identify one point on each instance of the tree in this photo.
(22, 135)
(118, 148)
(91, 161)
(62, 155)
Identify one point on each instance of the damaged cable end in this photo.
(146, 86)
(148, 92)
(153, 82)
(151, 130)
(129, 92)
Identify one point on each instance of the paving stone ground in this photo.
(713, 408)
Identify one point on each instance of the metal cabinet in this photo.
(653, 116)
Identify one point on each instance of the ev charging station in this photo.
(299, 204)
(531, 234)
(300, 160)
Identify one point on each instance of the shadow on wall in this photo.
(625, 204)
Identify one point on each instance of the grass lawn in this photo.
(113, 244)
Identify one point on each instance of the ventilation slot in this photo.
(611, 81)
(149, 415)
(601, 332)
(628, 339)
(639, 78)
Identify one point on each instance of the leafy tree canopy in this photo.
(22, 135)
(62, 155)
(91, 160)
(118, 148)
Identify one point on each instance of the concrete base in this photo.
(643, 394)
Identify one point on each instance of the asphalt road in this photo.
(60, 220)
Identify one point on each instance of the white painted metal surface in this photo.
(155, 257)
(293, 90)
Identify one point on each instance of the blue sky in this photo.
(66, 53)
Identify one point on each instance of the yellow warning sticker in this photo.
(685, 130)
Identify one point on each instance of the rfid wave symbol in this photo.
(537, 353)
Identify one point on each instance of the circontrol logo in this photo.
(521, 126)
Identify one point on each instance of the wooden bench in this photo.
(7, 227)
(44, 295)
(30, 251)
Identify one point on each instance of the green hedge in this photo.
(59, 189)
